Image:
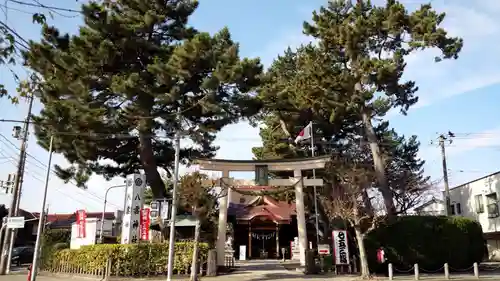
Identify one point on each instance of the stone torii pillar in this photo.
(301, 216)
(222, 225)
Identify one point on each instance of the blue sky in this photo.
(455, 95)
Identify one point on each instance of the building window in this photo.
(452, 209)
(459, 208)
(478, 200)
(492, 205)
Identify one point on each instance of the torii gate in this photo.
(262, 169)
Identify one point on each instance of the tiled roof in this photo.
(263, 206)
(72, 217)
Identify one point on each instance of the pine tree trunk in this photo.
(196, 250)
(379, 164)
(363, 259)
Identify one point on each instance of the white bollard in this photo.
(476, 270)
(390, 272)
(417, 274)
(446, 271)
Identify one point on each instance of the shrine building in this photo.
(262, 224)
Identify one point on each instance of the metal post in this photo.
(315, 191)
(9, 237)
(171, 242)
(104, 209)
(34, 267)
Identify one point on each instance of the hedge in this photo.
(127, 260)
(52, 241)
(430, 241)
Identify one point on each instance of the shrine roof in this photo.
(266, 206)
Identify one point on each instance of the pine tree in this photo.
(135, 74)
(353, 74)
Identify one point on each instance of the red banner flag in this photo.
(81, 218)
(145, 222)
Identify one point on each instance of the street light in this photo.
(104, 209)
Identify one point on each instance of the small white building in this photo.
(478, 199)
(433, 207)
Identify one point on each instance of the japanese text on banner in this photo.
(145, 222)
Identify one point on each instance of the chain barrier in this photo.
(461, 270)
(441, 269)
(423, 270)
(403, 271)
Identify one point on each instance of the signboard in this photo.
(165, 210)
(131, 230)
(295, 249)
(145, 223)
(160, 208)
(15, 222)
(340, 247)
(323, 249)
(243, 252)
(81, 221)
(155, 209)
(261, 175)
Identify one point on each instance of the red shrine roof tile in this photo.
(265, 206)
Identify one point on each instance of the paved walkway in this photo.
(272, 270)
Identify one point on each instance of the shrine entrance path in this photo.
(258, 266)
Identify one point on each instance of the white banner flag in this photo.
(340, 247)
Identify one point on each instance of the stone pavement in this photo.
(270, 270)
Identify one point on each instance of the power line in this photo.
(33, 175)
(44, 166)
(38, 4)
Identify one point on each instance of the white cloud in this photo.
(476, 68)
(466, 142)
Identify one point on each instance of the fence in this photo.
(116, 268)
(416, 271)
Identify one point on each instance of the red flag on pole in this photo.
(305, 134)
(81, 218)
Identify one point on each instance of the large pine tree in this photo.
(135, 74)
(354, 72)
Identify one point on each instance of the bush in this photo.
(429, 241)
(128, 260)
(52, 241)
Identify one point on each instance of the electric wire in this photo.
(43, 166)
(57, 189)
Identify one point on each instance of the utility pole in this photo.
(9, 237)
(171, 242)
(443, 138)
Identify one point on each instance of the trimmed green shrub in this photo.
(429, 241)
(127, 260)
(52, 241)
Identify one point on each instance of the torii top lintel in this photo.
(272, 165)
